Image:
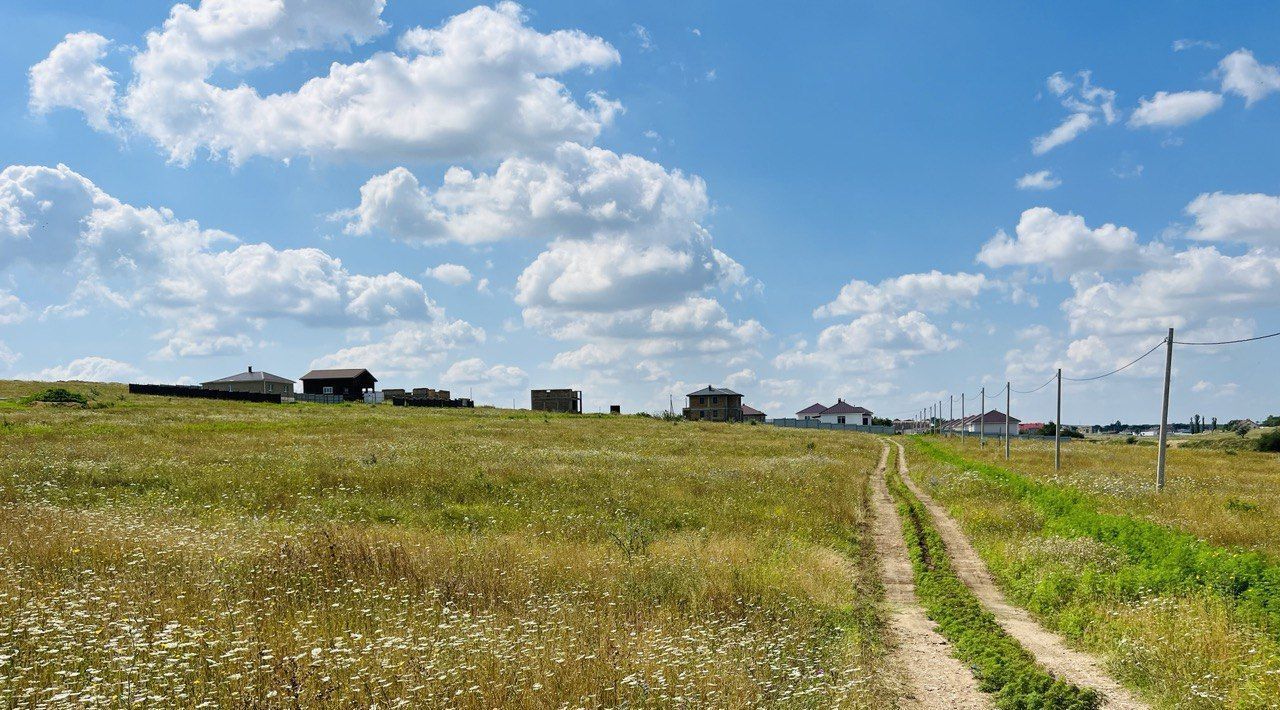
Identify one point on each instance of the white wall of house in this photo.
(992, 428)
(863, 419)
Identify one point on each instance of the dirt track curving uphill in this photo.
(935, 679)
(1049, 648)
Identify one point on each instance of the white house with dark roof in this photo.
(989, 424)
(812, 411)
(251, 381)
(844, 413)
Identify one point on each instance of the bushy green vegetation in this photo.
(176, 552)
(1269, 441)
(1190, 622)
(56, 395)
(1001, 665)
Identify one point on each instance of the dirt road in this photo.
(1049, 648)
(934, 678)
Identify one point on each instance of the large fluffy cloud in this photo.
(407, 350)
(1193, 287)
(1170, 110)
(206, 280)
(875, 341)
(479, 85)
(87, 369)
(1063, 244)
(1249, 218)
(1242, 74)
(930, 291)
(73, 77)
(580, 192)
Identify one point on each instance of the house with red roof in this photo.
(812, 411)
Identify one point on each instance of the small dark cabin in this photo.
(350, 384)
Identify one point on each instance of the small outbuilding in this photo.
(350, 384)
(251, 381)
(557, 400)
(751, 414)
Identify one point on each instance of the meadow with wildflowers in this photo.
(1178, 591)
(164, 552)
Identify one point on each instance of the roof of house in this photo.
(714, 390)
(251, 376)
(995, 416)
(337, 374)
(748, 410)
(843, 407)
(815, 408)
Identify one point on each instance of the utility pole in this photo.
(1057, 430)
(962, 416)
(951, 416)
(1164, 412)
(982, 418)
(1008, 398)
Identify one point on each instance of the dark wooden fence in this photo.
(201, 393)
(425, 402)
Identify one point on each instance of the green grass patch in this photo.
(1000, 664)
(1162, 560)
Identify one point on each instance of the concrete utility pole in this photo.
(1057, 429)
(1164, 412)
(982, 418)
(962, 415)
(1008, 398)
(951, 416)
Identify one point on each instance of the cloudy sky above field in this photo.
(887, 204)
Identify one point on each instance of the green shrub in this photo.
(56, 394)
(1270, 441)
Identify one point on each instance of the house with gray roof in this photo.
(251, 380)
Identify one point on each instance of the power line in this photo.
(1228, 342)
(1118, 369)
(1046, 384)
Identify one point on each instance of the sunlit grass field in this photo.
(165, 552)
(1178, 591)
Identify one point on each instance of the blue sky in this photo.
(641, 200)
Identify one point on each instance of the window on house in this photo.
(715, 400)
(840, 419)
(327, 390)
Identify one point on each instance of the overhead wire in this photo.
(1227, 342)
(1121, 368)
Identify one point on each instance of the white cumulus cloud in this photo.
(452, 274)
(1250, 218)
(1063, 244)
(1242, 74)
(73, 77)
(479, 85)
(1170, 110)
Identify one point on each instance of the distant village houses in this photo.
(839, 413)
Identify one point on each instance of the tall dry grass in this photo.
(171, 552)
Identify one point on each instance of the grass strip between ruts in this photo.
(1163, 559)
(1001, 665)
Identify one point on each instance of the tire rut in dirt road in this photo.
(1049, 649)
(935, 679)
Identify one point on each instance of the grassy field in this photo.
(1178, 591)
(180, 552)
